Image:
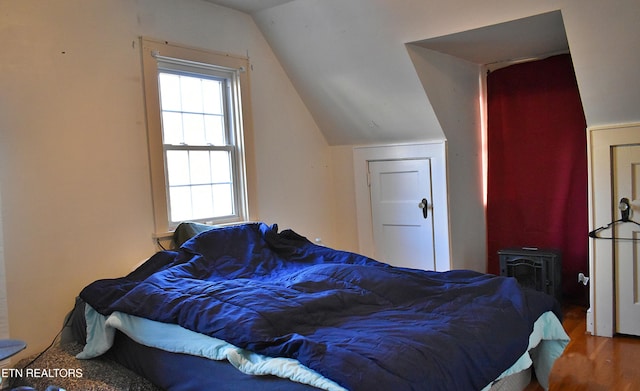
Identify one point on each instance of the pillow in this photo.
(187, 230)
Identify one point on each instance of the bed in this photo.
(252, 307)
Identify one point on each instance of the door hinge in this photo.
(368, 178)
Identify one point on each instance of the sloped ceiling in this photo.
(249, 6)
(349, 60)
(519, 40)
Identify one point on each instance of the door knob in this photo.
(625, 208)
(424, 205)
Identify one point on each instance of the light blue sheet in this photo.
(546, 343)
(173, 338)
(548, 337)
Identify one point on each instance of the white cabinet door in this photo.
(626, 184)
(402, 217)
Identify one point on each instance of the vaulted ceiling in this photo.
(353, 62)
(513, 41)
(249, 6)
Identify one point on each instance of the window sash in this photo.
(224, 112)
(203, 178)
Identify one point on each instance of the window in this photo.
(195, 130)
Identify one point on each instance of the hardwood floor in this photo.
(594, 363)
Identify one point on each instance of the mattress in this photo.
(128, 365)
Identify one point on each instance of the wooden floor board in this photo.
(591, 363)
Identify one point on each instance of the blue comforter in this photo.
(362, 323)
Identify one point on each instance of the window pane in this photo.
(220, 167)
(178, 168)
(214, 129)
(223, 200)
(194, 129)
(170, 91)
(212, 96)
(180, 203)
(202, 202)
(191, 94)
(200, 167)
(172, 128)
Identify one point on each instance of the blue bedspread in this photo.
(364, 324)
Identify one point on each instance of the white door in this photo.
(626, 184)
(401, 208)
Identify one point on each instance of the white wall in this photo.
(453, 88)
(4, 321)
(76, 203)
(345, 224)
(294, 165)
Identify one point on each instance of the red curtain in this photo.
(537, 165)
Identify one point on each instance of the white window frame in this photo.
(159, 54)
